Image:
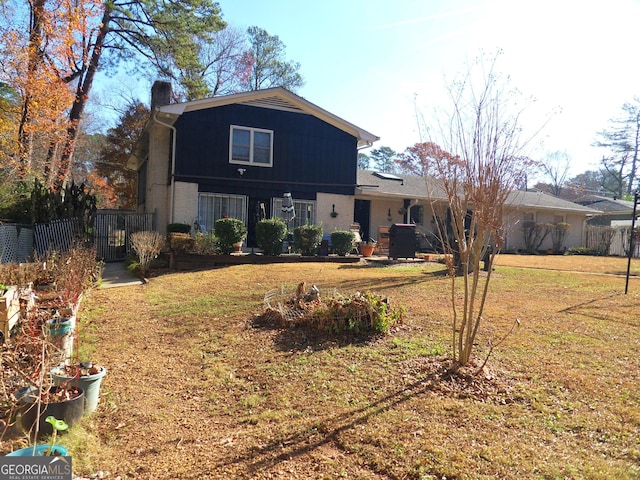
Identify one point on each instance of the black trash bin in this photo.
(402, 240)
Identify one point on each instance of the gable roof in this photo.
(371, 184)
(606, 204)
(543, 201)
(276, 98)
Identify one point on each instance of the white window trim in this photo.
(242, 215)
(251, 131)
(300, 209)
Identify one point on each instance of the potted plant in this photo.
(367, 249)
(60, 331)
(85, 376)
(45, 449)
(66, 403)
(229, 232)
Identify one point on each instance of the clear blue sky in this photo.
(371, 62)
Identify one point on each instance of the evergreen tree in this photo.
(384, 159)
(363, 161)
(270, 69)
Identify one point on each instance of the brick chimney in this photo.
(160, 94)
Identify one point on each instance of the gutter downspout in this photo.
(173, 163)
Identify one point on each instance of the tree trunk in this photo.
(35, 60)
(82, 95)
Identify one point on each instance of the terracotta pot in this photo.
(366, 250)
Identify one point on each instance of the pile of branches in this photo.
(358, 313)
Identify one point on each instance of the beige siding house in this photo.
(399, 198)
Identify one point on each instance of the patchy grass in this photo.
(196, 389)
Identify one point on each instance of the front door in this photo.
(258, 210)
(362, 215)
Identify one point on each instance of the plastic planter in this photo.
(38, 451)
(60, 326)
(70, 411)
(89, 384)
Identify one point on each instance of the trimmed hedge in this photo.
(270, 234)
(342, 241)
(229, 231)
(307, 238)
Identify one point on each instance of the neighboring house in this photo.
(611, 211)
(237, 155)
(383, 199)
(610, 229)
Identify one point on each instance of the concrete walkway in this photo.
(114, 274)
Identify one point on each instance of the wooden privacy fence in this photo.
(112, 232)
(611, 240)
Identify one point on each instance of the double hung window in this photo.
(305, 212)
(213, 206)
(251, 146)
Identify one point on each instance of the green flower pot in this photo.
(89, 384)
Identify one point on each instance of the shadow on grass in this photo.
(383, 283)
(596, 310)
(320, 432)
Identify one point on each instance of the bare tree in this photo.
(227, 61)
(481, 162)
(556, 168)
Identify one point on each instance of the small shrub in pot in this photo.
(270, 234)
(229, 231)
(342, 241)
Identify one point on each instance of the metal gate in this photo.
(113, 232)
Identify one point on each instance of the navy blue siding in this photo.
(309, 155)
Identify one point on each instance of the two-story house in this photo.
(237, 155)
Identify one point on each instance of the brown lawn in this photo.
(197, 389)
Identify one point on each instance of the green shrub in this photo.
(229, 231)
(307, 238)
(342, 241)
(270, 234)
(178, 228)
(363, 312)
(205, 243)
